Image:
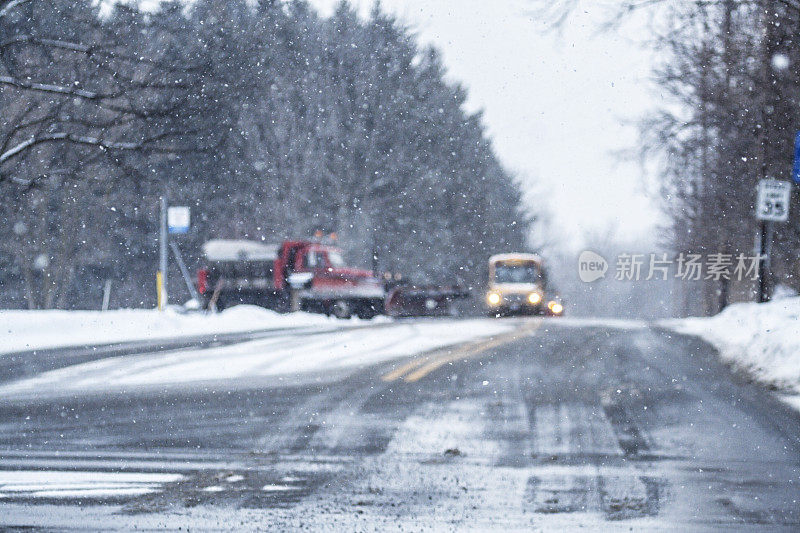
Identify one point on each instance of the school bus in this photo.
(518, 285)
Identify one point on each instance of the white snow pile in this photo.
(762, 339)
(33, 330)
(286, 354)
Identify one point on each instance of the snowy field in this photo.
(761, 339)
(33, 330)
(290, 354)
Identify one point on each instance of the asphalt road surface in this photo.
(570, 425)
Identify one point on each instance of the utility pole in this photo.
(161, 276)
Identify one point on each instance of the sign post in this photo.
(796, 166)
(772, 205)
(174, 220)
(161, 275)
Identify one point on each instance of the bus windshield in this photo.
(516, 272)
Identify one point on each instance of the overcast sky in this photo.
(555, 104)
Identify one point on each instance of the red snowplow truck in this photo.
(308, 276)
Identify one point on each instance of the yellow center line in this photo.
(408, 367)
(450, 358)
(422, 366)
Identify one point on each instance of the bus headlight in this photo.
(534, 298)
(493, 298)
(555, 307)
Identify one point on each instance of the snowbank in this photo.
(30, 330)
(762, 339)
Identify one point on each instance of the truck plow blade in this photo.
(423, 300)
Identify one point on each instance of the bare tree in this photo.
(731, 72)
(88, 82)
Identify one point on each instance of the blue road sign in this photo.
(796, 167)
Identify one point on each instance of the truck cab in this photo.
(310, 257)
(326, 285)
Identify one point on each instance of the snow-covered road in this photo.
(284, 354)
(574, 424)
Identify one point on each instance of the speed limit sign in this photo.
(773, 200)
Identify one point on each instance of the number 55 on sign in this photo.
(773, 200)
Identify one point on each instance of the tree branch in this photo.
(11, 5)
(50, 88)
(52, 43)
(35, 140)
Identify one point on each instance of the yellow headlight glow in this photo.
(556, 308)
(534, 297)
(493, 298)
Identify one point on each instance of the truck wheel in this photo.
(341, 309)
